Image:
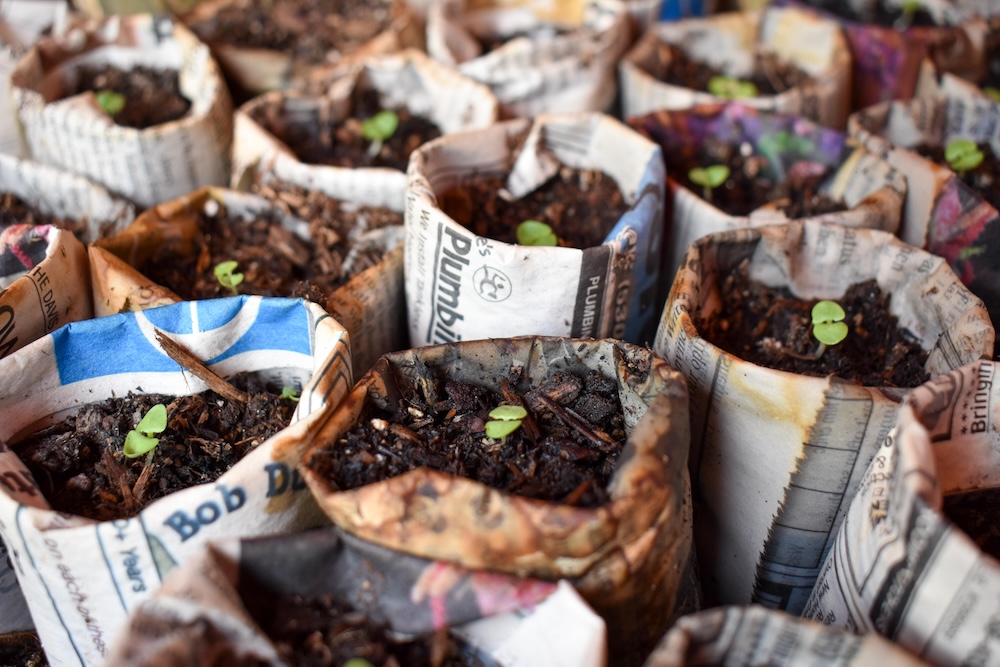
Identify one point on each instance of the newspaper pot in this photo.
(570, 72)
(867, 185)
(371, 302)
(626, 557)
(887, 61)
(460, 286)
(81, 577)
(205, 607)
(942, 214)
(734, 42)
(899, 566)
(259, 69)
(405, 80)
(148, 166)
(98, 9)
(776, 456)
(760, 636)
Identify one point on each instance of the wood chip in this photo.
(187, 360)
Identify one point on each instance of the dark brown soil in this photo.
(15, 211)
(992, 79)
(342, 144)
(984, 179)
(152, 96)
(976, 515)
(877, 13)
(771, 75)
(581, 206)
(768, 326)
(320, 632)
(543, 33)
(80, 469)
(22, 650)
(308, 30)
(274, 261)
(564, 452)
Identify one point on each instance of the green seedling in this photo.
(290, 394)
(141, 439)
(828, 324)
(357, 662)
(378, 129)
(709, 178)
(110, 101)
(963, 155)
(992, 93)
(225, 274)
(537, 233)
(910, 9)
(504, 420)
(731, 88)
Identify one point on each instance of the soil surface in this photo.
(152, 96)
(750, 185)
(984, 179)
(581, 206)
(877, 13)
(565, 451)
(769, 327)
(992, 47)
(15, 211)
(320, 632)
(771, 75)
(976, 514)
(80, 469)
(343, 145)
(22, 650)
(311, 31)
(275, 261)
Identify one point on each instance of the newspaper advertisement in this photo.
(741, 44)
(460, 286)
(436, 515)
(777, 457)
(900, 565)
(942, 213)
(150, 165)
(752, 636)
(82, 577)
(216, 603)
(568, 66)
(868, 186)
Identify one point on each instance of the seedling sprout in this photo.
(224, 273)
(536, 233)
(504, 420)
(910, 9)
(709, 178)
(141, 439)
(110, 101)
(290, 394)
(731, 88)
(992, 93)
(378, 129)
(357, 662)
(963, 155)
(828, 324)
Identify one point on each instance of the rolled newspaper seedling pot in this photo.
(461, 286)
(776, 455)
(942, 214)
(407, 80)
(868, 186)
(81, 577)
(150, 165)
(370, 301)
(901, 565)
(217, 603)
(754, 635)
(740, 45)
(99, 9)
(628, 557)
(273, 62)
(566, 64)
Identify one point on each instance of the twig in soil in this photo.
(574, 496)
(119, 478)
(600, 440)
(139, 490)
(528, 421)
(183, 356)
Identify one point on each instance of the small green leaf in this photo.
(992, 93)
(501, 429)
(536, 233)
(508, 412)
(224, 274)
(357, 662)
(827, 311)
(912, 6)
(963, 154)
(709, 177)
(830, 333)
(110, 101)
(380, 127)
(137, 444)
(154, 421)
(731, 88)
(290, 394)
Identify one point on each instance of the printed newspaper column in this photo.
(942, 213)
(71, 130)
(870, 189)
(460, 286)
(629, 557)
(744, 45)
(753, 635)
(776, 457)
(82, 577)
(536, 56)
(218, 601)
(902, 564)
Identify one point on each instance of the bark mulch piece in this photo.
(877, 13)
(976, 514)
(751, 184)
(565, 450)
(152, 96)
(768, 326)
(581, 206)
(984, 179)
(274, 260)
(771, 75)
(22, 650)
(79, 465)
